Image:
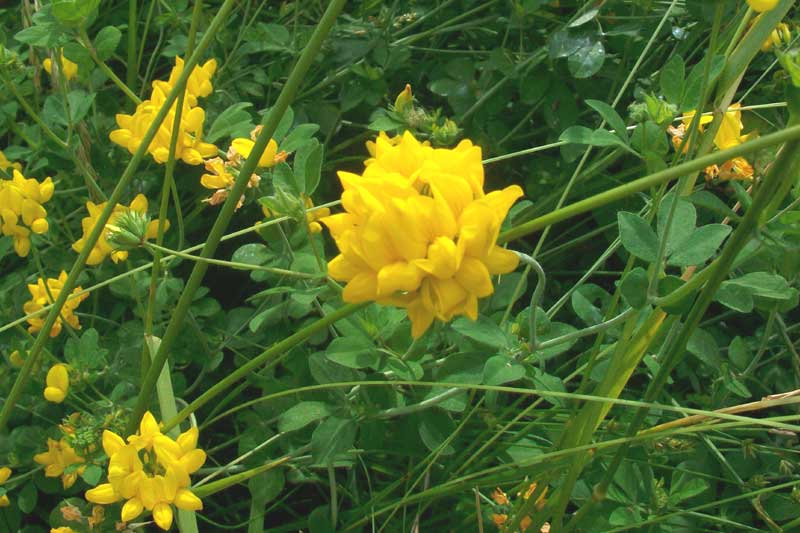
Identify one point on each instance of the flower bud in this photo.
(404, 100)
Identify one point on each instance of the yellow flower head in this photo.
(5, 473)
(68, 68)
(102, 247)
(58, 458)
(152, 485)
(57, 383)
(759, 6)
(43, 294)
(190, 147)
(62, 529)
(419, 233)
(22, 209)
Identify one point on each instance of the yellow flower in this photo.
(62, 529)
(57, 384)
(243, 147)
(5, 473)
(499, 519)
(737, 168)
(199, 83)
(419, 233)
(152, 485)
(780, 35)
(728, 135)
(218, 176)
(58, 458)
(22, 210)
(760, 6)
(102, 247)
(500, 497)
(40, 298)
(5, 164)
(68, 68)
(190, 147)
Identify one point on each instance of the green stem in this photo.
(106, 70)
(230, 264)
(132, 67)
(122, 184)
(645, 183)
(196, 277)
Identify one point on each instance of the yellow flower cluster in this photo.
(102, 247)
(58, 459)
(5, 473)
(190, 147)
(22, 209)
(728, 136)
(44, 293)
(57, 383)
(151, 471)
(68, 68)
(221, 174)
(419, 232)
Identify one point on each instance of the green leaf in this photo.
(701, 245)
(27, 497)
(735, 298)
(434, 429)
(319, 520)
(583, 303)
(300, 415)
(577, 135)
(736, 387)
(44, 35)
(739, 354)
(106, 42)
(79, 104)
(308, 167)
(352, 352)
(85, 354)
(683, 222)
(691, 94)
(233, 122)
(483, 330)
(637, 236)
(762, 284)
(75, 12)
(251, 254)
(587, 60)
(502, 369)
(611, 116)
(334, 436)
(703, 345)
(634, 288)
(671, 79)
(684, 486)
(92, 475)
(298, 137)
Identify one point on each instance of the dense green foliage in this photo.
(649, 277)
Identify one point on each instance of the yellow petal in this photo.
(162, 514)
(58, 377)
(112, 442)
(131, 509)
(362, 288)
(103, 494)
(400, 276)
(474, 276)
(501, 261)
(53, 394)
(5, 473)
(186, 499)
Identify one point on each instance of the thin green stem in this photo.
(87, 42)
